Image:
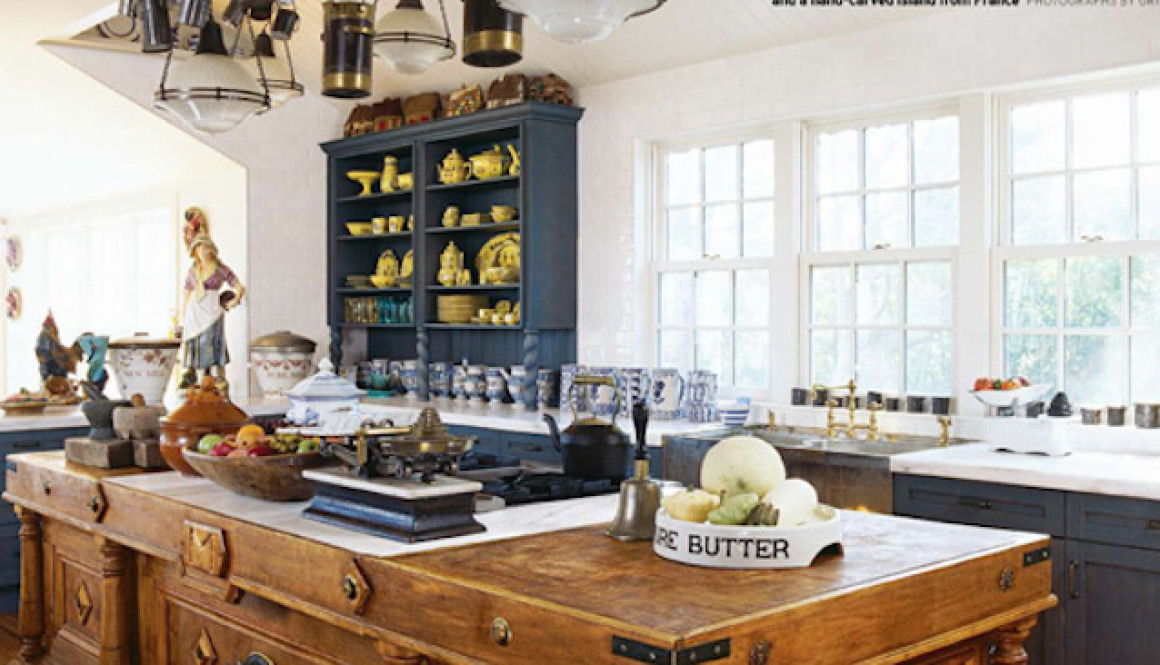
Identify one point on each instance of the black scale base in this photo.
(403, 520)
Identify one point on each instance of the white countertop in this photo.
(502, 524)
(1130, 474)
(67, 417)
(404, 411)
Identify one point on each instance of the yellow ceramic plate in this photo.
(488, 256)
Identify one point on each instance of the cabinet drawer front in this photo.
(982, 504)
(58, 491)
(1114, 520)
(9, 555)
(530, 447)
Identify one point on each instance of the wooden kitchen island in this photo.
(162, 570)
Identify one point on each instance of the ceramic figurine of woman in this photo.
(204, 307)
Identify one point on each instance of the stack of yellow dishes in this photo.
(458, 309)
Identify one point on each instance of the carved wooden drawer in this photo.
(1114, 520)
(983, 504)
(71, 495)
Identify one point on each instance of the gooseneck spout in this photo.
(553, 429)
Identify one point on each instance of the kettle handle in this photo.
(585, 380)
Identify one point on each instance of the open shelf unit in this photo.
(544, 192)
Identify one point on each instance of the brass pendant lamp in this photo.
(492, 36)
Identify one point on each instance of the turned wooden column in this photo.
(396, 655)
(1009, 642)
(30, 623)
(115, 599)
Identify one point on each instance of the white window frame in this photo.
(781, 266)
(1003, 251)
(811, 257)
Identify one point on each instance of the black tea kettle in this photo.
(593, 449)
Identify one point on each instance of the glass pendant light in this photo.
(492, 36)
(277, 75)
(410, 40)
(580, 22)
(210, 92)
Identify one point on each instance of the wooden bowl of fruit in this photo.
(254, 464)
(24, 403)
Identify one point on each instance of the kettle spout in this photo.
(553, 429)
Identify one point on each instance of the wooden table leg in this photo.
(114, 629)
(1009, 642)
(30, 623)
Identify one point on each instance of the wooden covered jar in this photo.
(205, 411)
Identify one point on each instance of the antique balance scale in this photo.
(398, 482)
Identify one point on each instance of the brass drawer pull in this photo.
(1154, 525)
(47, 486)
(349, 587)
(976, 503)
(26, 445)
(1006, 579)
(501, 632)
(530, 447)
(94, 504)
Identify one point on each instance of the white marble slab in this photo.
(503, 524)
(1128, 474)
(405, 489)
(67, 417)
(507, 418)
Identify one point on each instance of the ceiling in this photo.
(66, 124)
(652, 43)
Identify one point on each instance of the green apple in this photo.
(208, 442)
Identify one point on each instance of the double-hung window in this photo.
(879, 259)
(1078, 263)
(713, 244)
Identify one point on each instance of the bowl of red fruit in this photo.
(256, 464)
(1008, 393)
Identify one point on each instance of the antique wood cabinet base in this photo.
(164, 570)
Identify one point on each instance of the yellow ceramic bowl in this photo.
(359, 228)
(406, 181)
(501, 213)
(365, 178)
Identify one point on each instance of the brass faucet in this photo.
(944, 437)
(850, 428)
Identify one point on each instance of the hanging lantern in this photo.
(210, 92)
(349, 45)
(277, 75)
(580, 22)
(492, 36)
(410, 40)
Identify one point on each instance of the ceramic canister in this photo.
(701, 399)
(518, 384)
(635, 384)
(602, 398)
(410, 376)
(496, 385)
(568, 374)
(440, 373)
(667, 389)
(143, 366)
(475, 384)
(546, 389)
(458, 382)
(280, 360)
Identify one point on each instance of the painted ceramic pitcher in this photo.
(667, 390)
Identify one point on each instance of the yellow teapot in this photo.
(450, 265)
(453, 168)
(490, 164)
(515, 168)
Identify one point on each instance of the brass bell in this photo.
(640, 496)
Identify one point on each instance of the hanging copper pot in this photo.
(348, 46)
(492, 36)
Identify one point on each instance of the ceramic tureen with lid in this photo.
(280, 360)
(322, 395)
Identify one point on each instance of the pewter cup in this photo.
(1147, 415)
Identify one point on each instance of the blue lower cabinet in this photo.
(15, 443)
(530, 447)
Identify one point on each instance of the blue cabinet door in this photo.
(1112, 605)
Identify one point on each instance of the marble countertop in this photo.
(502, 524)
(67, 417)
(1134, 473)
(509, 418)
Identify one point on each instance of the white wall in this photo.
(938, 57)
(284, 217)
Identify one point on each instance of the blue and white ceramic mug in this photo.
(440, 373)
(410, 376)
(568, 399)
(602, 398)
(701, 401)
(667, 390)
(458, 382)
(546, 389)
(635, 384)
